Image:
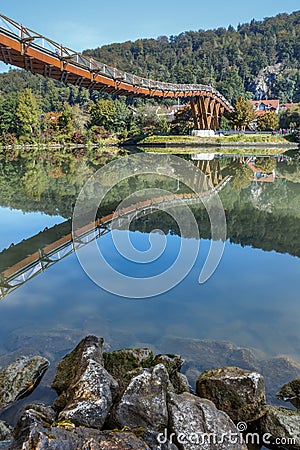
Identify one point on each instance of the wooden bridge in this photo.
(24, 48)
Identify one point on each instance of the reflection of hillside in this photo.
(246, 226)
(264, 215)
(269, 222)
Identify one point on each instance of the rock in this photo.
(31, 417)
(68, 369)
(173, 365)
(58, 438)
(197, 423)
(20, 378)
(152, 439)
(5, 431)
(281, 424)
(180, 383)
(86, 388)
(91, 397)
(121, 362)
(6, 445)
(240, 393)
(262, 85)
(144, 403)
(37, 429)
(277, 372)
(290, 392)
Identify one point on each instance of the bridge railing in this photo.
(31, 38)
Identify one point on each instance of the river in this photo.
(250, 302)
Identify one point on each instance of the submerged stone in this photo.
(20, 378)
(240, 393)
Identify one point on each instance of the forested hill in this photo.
(259, 58)
(229, 59)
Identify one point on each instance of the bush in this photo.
(79, 137)
(8, 139)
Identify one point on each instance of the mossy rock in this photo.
(124, 364)
(68, 367)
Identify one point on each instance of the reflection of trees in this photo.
(266, 218)
(291, 171)
(49, 182)
(242, 176)
(266, 165)
(35, 181)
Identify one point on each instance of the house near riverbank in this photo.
(262, 106)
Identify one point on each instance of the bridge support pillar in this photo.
(207, 113)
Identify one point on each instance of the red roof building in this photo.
(262, 106)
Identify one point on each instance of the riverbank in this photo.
(260, 140)
(172, 141)
(133, 399)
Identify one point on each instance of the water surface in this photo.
(252, 300)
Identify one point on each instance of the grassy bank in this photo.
(217, 141)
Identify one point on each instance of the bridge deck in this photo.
(24, 48)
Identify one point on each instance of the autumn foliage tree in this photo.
(242, 115)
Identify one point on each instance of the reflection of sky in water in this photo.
(251, 300)
(16, 225)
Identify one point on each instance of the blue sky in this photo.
(80, 25)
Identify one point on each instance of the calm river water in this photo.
(251, 302)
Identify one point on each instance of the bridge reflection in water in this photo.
(25, 260)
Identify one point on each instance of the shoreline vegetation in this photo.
(171, 143)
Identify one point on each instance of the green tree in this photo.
(8, 119)
(66, 120)
(122, 118)
(103, 113)
(78, 117)
(291, 116)
(27, 113)
(243, 114)
(269, 121)
(232, 85)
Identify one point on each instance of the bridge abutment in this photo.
(203, 133)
